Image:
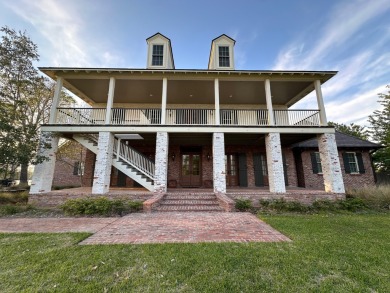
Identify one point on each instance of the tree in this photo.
(380, 131)
(27, 98)
(352, 129)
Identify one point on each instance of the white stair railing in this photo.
(129, 155)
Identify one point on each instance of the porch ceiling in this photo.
(188, 87)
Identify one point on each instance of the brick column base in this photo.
(219, 172)
(102, 174)
(333, 178)
(275, 163)
(44, 172)
(161, 168)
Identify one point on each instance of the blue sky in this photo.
(350, 36)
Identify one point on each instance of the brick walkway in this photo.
(156, 228)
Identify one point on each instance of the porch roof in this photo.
(188, 86)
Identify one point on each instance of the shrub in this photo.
(243, 204)
(99, 206)
(14, 197)
(374, 197)
(287, 206)
(11, 209)
(325, 205)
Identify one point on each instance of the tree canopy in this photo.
(25, 100)
(352, 129)
(380, 131)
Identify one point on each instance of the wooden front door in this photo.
(260, 168)
(231, 170)
(190, 170)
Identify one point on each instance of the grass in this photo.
(329, 253)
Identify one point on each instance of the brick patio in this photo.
(155, 228)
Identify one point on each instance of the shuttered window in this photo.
(316, 162)
(353, 163)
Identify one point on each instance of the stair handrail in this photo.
(131, 156)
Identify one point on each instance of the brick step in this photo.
(189, 202)
(188, 208)
(183, 193)
(190, 197)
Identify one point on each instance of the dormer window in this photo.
(157, 55)
(222, 53)
(224, 57)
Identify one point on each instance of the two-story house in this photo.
(212, 128)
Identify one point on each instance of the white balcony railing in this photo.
(228, 117)
(81, 115)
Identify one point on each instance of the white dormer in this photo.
(222, 53)
(159, 52)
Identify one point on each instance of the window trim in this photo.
(354, 162)
(229, 56)
(153, 55)
(318, 163)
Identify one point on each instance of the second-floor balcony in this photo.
(196, 117)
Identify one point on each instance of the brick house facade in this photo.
(162, 127)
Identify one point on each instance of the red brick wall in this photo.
(350, 180)
(69, 153)
(90, 159)
(207, 165)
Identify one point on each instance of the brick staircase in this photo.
(189, 202)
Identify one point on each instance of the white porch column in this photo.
(267, 85)
(161, 167)
(164, 100)
(320, 101)
(219, 171)
(56, 100)
(275, 163)
(110, 100)
(333, 178)
(44, 172)
(101, 178)
(216, 100)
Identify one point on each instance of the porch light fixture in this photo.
(208, 156)
(173, 156)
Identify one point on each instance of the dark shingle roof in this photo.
(343, 141)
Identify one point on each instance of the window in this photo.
(78, 168)
(224, 58)
(157, 55)
(353, 163)
(316, 163)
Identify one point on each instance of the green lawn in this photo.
(329, 253)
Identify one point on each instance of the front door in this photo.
(190, 170)
(260, 168)
(231, 170)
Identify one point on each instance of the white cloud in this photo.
(351, 95)
(61, 24)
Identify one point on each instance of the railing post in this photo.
(110, 100)
(56, 100)
(118, 148)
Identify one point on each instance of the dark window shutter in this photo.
(76, 168)
(285, 170)
(346, 163)
(360, 163)
(242, 170)
(259, 176)
(314, 162)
